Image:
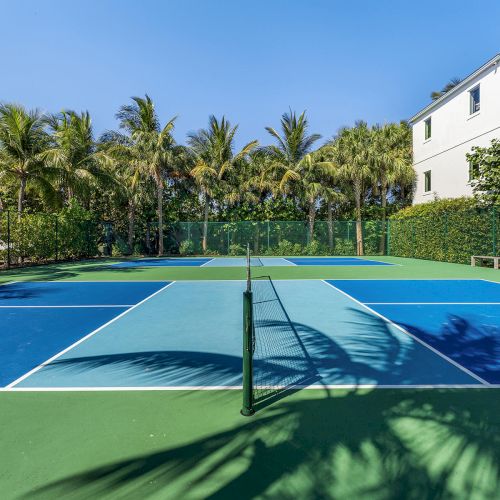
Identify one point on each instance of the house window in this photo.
(473, 171)
(428, 128)
(427, 181)
(475, 100)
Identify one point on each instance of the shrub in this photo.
(445, 230)
(284, 248)
(120, 248)
(208, 251)
(236, 249)
(186, 247)
(314, 247)
(344, 247)
(71, 234)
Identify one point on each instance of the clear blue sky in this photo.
(249, 60)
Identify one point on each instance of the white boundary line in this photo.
(430, 303)
(83, 339)
(95, 281)
(292, 263)
(400, 328)
(407, 279)
(239, 387)
(207, 262)
(68, 307)
(8, 283)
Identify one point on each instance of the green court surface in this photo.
(102, 270)
(329, 442)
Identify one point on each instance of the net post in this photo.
(247, 408)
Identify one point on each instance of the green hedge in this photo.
(37, 238)
(444, 230)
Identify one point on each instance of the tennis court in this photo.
(118, 379)
(255, 261)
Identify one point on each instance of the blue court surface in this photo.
(458, 318)
(188, 334)
(164, 262)
(335, 261)
(241, 262)
(38, 320)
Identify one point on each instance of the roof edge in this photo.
(493, 61)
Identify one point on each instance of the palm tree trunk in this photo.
(383, 194)
(329, 209)
(359, 228)
(21, 196)
(160, 219)
(312, 218)
(131, 225)
(205, 224)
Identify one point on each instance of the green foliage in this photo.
(186, 247)
(120, 248)
(314, 248)
(486, 185)
(211, 252)
(236, 249)
(445, 230)
(344, 247)
(70, 234)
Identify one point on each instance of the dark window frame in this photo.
(475, 100)
(427, 181)
(428, 128)
(473, 171)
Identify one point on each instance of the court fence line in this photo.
(450, 237)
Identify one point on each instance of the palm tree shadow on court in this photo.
(350, 443)
(356, 444)
(307, 356)
(473, 345)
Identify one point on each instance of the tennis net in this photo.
(275, 359)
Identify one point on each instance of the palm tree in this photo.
(351, 151)
(292, 168)
(23, 142)
(450, 85)
(292, 146)
(212, 149)
(154, 147)
(74, 152)
(119, 149)
(392, 162)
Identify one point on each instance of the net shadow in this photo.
(281, 362)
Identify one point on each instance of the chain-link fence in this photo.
(274, 238)
(452, 237)
(39, 238)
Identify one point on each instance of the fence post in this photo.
(494, 230)
(412, 222)
(268, 235)
(228, 238)
(388, 237)
(446, 237)
(56, 239)
(8, 239)
(148, 237)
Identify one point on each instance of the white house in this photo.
(445, 130)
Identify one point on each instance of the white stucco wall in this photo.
(454, 132)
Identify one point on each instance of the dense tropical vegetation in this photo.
(138, 174)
